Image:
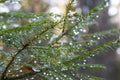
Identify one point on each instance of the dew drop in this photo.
(35, 61)
(91, 66)
(4, 27)
(81, 30)
(32, 56)
(84, 30)
(9, 70)
(84, 60)
(46, 35)
(65, 75)
(39, 41)
(94, 36)
(101, 8)
(17, 75)
(97, 16)
(118, 51)
(92, 55)
(8, 39)
(57, 78)
(55, 70)
(70, 43)
(73, 74)
(20, 71)
(19, 59)
(64, 68)
(84, 63)
(59, 62)
(32, 78)
(98, 38)
(107, 4)
(44, 73)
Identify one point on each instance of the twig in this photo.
(68, 7)
(22, 76)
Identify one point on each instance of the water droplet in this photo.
(44, 73)
(35, 61)
(97, 16)
(91, 66)
(9, 39)
(9, 70)
(19, 59)
(88, 76)
(75, 32)
(101, 8)
(17, 75)
(84, 63)
(32, 56)
(64, 68)
(4, 26)
(98, 38)
(73, 74)
(39, 41)
(94, 36)
(70, 43)
(84, 60)
(92, 55)
(46, 35)
(20, 71)
(107, 4)
(55, 70)
(118, 51)
(65, 75)
(59, 62)
(84, 30)
(32, 78)
(57, 78)
(1, 37)
(81, 30)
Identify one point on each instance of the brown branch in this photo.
(22, 76)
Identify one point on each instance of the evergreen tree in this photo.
(46, 46)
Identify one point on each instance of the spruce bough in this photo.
(32, 56)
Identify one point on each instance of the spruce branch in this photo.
(101, 48)
(3, 76)
(68, 8)
(56, 62)
(89, 14)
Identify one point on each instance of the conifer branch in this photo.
(54, 62)
(89, 14)
(3, 76)
(68, 8)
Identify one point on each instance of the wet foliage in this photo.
(46, 46)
